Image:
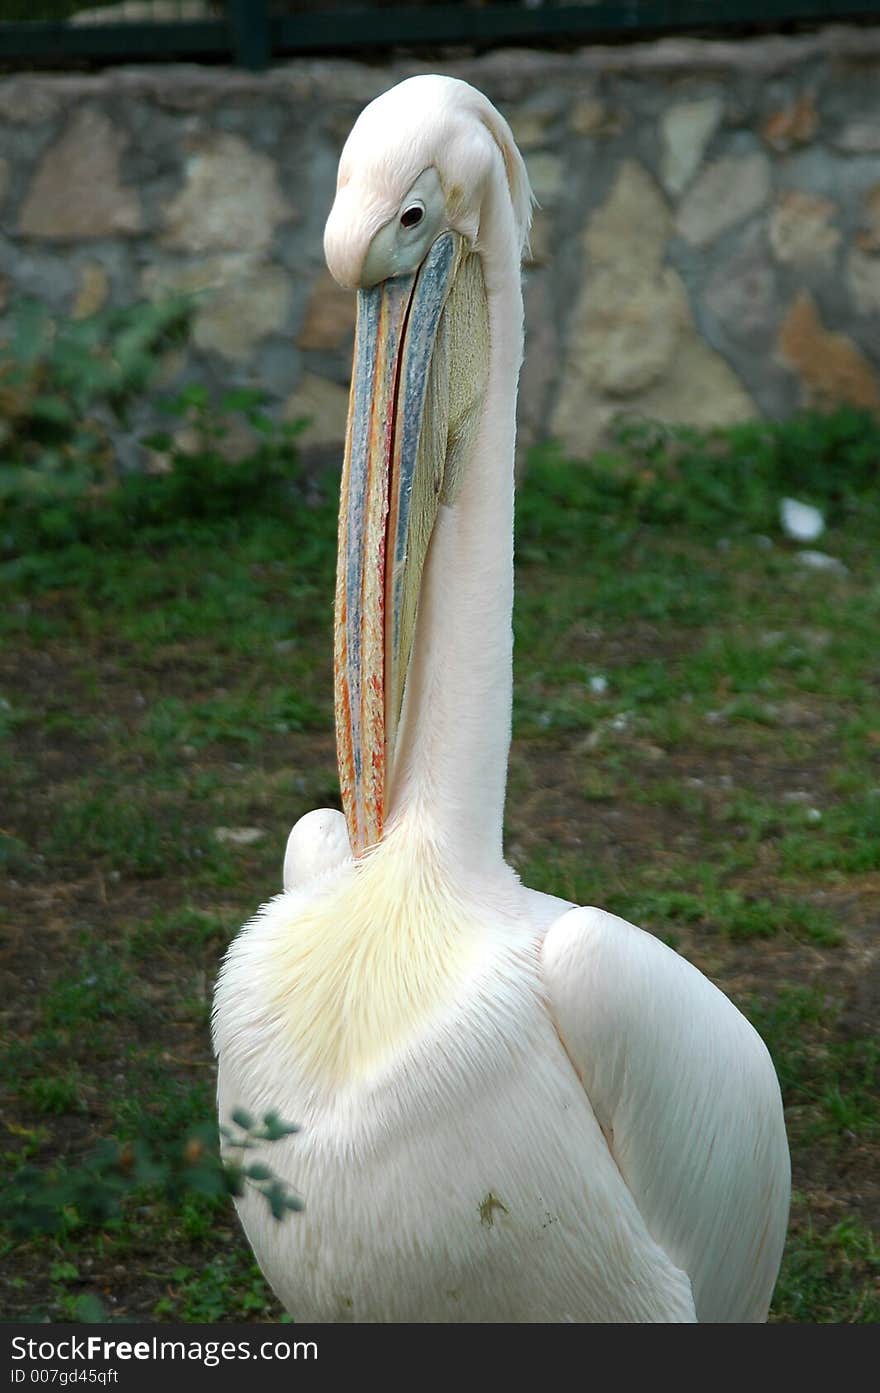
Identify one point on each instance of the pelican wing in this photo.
(688, 1100)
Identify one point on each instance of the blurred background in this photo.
(697, 707)
(706, 247)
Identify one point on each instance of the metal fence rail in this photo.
(252, 32)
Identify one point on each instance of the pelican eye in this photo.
(412, 216)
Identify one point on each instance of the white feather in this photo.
(687, 1097)
(317, 843)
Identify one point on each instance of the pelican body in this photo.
(511, 1108)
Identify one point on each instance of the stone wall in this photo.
(707, 246)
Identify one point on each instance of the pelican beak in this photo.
(392, 482)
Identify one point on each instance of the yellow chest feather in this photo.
(363, 970)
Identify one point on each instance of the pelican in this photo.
(511, 1108)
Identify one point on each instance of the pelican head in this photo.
(418, 162)
(427, 167)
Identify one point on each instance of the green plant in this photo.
(63, 384)
(63, 1198)
(830, 1275)
(229, 1285)
(53, 1094)
(722, 481)
(68, 386)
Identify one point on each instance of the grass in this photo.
(697, 747)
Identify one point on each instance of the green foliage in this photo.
(228, 1287)
(830, 1276)
(240, 720)
(183, 927)
(847, 839)
(202, 483)
(112, 826)
(63, 383)
(61, 1199)
(98, 990)
(737, 916)
(830, 1081)
(244, 1135)
(726, 481)
(59, 1094)
(14, 857)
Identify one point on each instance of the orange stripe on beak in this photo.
(397, 325)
